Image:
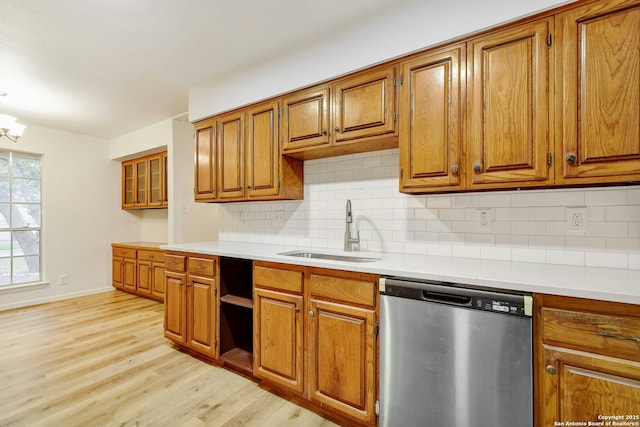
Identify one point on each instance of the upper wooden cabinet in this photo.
(354, 114)
(238, 158)
(144, 182)
(230, 150)
(431, 120)
(157, 187)
(509, 107)
(306, 119)
(205, 162)
(598, 93)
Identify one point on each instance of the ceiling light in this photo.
(9, 128)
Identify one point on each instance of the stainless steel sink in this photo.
(332, 257)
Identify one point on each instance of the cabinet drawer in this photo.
(277, 279)
(346, 290)
(617, 336)
(146, 255)
(124, 252)
(202, 266)
(174, 262)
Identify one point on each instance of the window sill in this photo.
(23, 287)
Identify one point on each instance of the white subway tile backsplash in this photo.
(602, 197)
(528, 225)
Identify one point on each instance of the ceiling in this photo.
(108, 67)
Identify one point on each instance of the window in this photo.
(20, 218)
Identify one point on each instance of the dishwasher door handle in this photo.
(446, 298)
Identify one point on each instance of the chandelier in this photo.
(9, 128)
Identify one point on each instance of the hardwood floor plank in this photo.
(102, 360)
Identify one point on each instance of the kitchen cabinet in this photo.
(128, 185)
(325, 320)
(138, 268)
(245, 153)
(144, 182)
(432, 101)
(509, 107)
(587, 360)
(231, 163)
(278, 326)
(123, 272)
(205, 185)
(150, 265)
(598, 93)
(191, 302)
(354, 114)
(158, 180)
(236, 314)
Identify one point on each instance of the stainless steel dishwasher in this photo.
(454, 356)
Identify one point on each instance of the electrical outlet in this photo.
(64, 279)
(577, 219)
(484, 219)
(278, 218)
(241, 217)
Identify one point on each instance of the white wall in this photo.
(409, 27)
(528, 225)
(81, 214)
(150, 139)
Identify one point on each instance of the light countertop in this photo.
(141, 244)
(609, 284)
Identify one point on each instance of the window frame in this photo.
(12, 284)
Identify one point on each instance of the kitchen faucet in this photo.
(348, 240)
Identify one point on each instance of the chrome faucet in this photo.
(348, 240)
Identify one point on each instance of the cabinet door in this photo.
(175, 307)
(165, 179)
(128, 185)
(130, 274)
(263, 150)
(509, 107)
(157, 284)
(598, 93)
(431, 102)
(140, 173)
(277, 342)
(202, 315)
(117, 272)
(579, 386)
(306, 119)
(145, 277)
(205, 165)
(365, 105)
(155, 181)
(341, 345)
(230, 138)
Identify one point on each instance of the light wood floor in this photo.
(101, 360)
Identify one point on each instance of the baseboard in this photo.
(52, 298)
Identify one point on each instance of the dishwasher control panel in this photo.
(502, 302)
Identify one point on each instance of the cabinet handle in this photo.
(311, 314)
(571, 158)
(477, 168)
(297, 309)
(454, 170)
(337, 129)
(550, 369)
(324, 131)
(619, 337)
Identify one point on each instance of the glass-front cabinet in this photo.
(144, 182)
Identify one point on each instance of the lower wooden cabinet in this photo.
(587, 360)
(138, 268)
(191, 302)
(315, 335)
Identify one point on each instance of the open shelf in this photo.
(236, 313)
(238, 359)
(236, 300)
